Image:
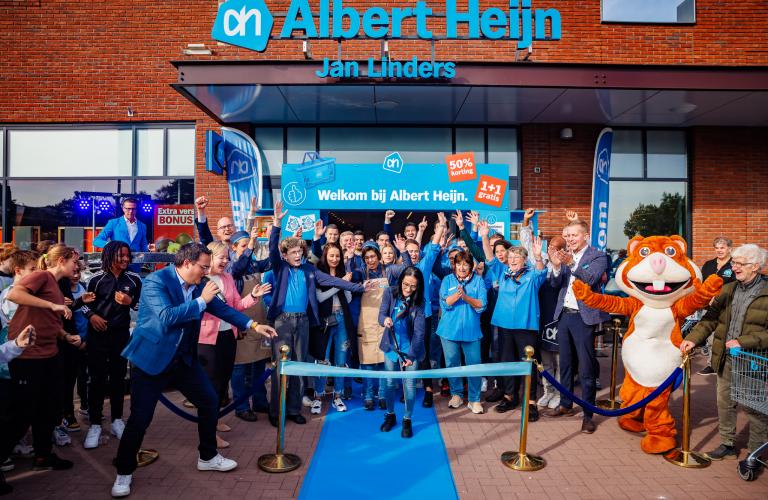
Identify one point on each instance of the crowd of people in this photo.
(393, 302)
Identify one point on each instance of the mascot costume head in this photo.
(664, 287)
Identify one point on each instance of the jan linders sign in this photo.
(250, 24)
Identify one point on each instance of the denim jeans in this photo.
(452, 350)
(392, 386)
(243, 378)
(293, 331)
(338, 337)
(368, 383)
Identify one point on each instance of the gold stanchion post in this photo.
(279, 461)
(683, 456)
(520, 460)
(613, 403)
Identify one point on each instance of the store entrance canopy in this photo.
(480, 94)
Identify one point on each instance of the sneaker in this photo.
(92, 438)
(543, 401)
(117, 428)
(122, 486)
(456, 401)
(83, 411)
(476, 407)
(554, 402)
(369, 405)
(382, 404)
(533, 413)
(187, 404)
(24, 450)
(71, 424)
(247, 415)
(505, 405)
(7, 466)
(598, 385)
(306, 401)
(61, 436)
(722, 452)
(559, 412)
(217, 463)
(484, 385)
(407, 430)
(389, 421)
(317, 407)
(707, 370)
(338, 404)
(51, 462)
(347, 394)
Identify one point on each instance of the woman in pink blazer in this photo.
(218, 339)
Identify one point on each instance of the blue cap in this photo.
(371, 244)
(237, 236)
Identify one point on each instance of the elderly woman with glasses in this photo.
(517, 313)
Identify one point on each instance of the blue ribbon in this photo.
(297, 368)
(621, 411)
(224, 411)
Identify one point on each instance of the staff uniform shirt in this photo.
(104, 284)
(296, 299)
(400, 331)
(461, 322)
(494, 270)
(517, 305)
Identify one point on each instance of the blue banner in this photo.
(394, 184)
(243, 164)
(600, 190)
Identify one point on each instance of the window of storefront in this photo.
(649, 185)
(649, 11)
(44, 167)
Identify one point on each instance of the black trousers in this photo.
(107, 369)
(577, 345)
(71, 371)
(486, 343)
(193, 383)
(513, 343)
(218, 361)
(35, 402)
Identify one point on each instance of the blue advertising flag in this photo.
(243, 163)
(600, 190)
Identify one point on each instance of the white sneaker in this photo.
(92, 438)
(484, 385)
(122, 486)
(61, 436)
(7, 466)
(317, 407)
(338, 404)
(306, 401)
(117, 428)
(476, 407)
(24, 450)
(544, 400)
(554, 402)
(455, 402)
(217, 463)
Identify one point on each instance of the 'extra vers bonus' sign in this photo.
(395, 184)
(250, 24)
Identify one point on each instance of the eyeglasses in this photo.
(129, 209)
(204, 268)
(740, 264)
(228, 226)
(410, 287)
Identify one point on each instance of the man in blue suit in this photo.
(128, 229)
(162, 350)
(576, 321)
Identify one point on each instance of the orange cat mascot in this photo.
(664, 287)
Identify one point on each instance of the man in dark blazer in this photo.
(162, 350)
(576, 321)
(294, 308)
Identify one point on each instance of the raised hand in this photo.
(299, 232)
(423, 224)
(319, 229)
(474, 218)
(527, 216)
(458, 218)
(536, 247)
(400, 242)
(441, 219)
(261, 290)
(201, 203)
(388, 216)
(572, 215)
(254, 205)
(279, 213)
(554, 256)
(483, 229)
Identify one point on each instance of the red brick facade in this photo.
(73, 62)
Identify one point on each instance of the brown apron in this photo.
(369, 332)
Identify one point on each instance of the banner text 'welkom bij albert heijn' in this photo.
(398, 185)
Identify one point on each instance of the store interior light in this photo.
(83, 204)
(146, 207)
(104, 206)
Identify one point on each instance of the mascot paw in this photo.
(655, 444)
(712, 285)
(580, 290)
(631, 425)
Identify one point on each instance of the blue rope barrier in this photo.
(621, 411)
(224, 411)
(297, 368)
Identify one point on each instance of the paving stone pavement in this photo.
(607, 464)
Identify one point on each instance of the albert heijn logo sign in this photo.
(245, 23)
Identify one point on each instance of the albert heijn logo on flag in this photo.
(245, 23)
(243, 164)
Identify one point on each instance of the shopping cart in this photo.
(749, 387)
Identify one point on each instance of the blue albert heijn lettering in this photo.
(248, 23)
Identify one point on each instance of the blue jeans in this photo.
(368, 383)
(452, 350)
(392, 386)
(338, 337)
(243, 378)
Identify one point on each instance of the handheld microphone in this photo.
(219, 295)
